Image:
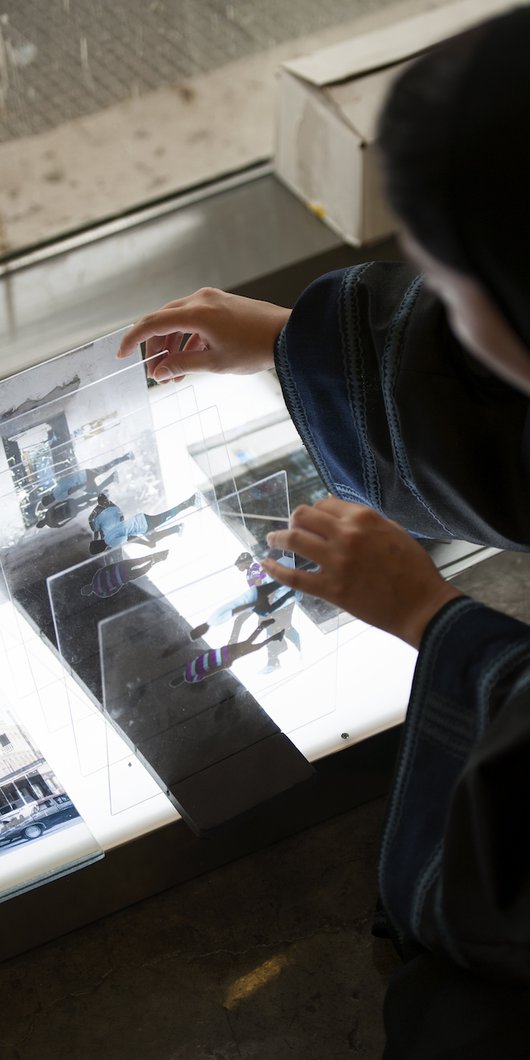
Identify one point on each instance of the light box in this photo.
(156, 775)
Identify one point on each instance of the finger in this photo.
(164, 369)
(300, 580)
(158, 350)
(195, 344)
(314, 520)
(301, 541)
(164, 344)
(163, 322)
(176, 366)
(165, 374)
(154, 357)
(339, 508)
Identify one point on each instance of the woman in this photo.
(412, 396)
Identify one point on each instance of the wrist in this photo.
(280, 318)
(415, 626)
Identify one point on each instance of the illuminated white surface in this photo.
(71, 733)
(353, 681)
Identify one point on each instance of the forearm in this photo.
(308, 358)
(441, 854)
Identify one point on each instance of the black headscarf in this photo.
(455, 141)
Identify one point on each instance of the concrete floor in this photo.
(269, 957)
(110, 105)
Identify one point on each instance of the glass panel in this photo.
(82, 595)
(29, 667)
(60, 427)
(59, 457)
(47, 418)
(185, 676)
(42, 833)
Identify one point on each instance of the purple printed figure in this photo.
(214, 660)
(107, 581)
(255, 573)
(256, 577)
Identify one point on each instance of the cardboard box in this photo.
(329, 104)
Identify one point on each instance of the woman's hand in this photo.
(369, 566)
(228, 333)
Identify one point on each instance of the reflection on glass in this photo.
(210, 665)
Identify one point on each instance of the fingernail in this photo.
(162, 374)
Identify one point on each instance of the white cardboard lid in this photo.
(359, 100)
(394, 43)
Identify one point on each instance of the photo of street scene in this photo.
(41, 829)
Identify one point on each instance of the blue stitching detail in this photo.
(296, 403)
(425, 881)
(390, 364)
(433, 640)
(487, 680)
(348, 493)
(353, 357)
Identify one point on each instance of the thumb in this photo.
(176, 366)
(163, 322)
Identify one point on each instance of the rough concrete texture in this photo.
(269, 957)
(156, 142)
(502, 582)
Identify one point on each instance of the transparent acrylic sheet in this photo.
(42, 832)
(143, 573)
(30, 667)
(160, 684)
(82, 595)
(64, 414)
(56, 417)
(52, 703)
(148, 429)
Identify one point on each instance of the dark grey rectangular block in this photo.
(237, 784)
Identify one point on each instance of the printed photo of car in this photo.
(46, 815)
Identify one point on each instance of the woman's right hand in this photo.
(228, 333)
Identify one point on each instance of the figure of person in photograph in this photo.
(110, 528)
(264, 600)
(251, 568)
(256, 575)
(107, 581)
(283, 620)
(62, 512)
(82, 479)
(216, 659)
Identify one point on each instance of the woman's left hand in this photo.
(369, 566)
